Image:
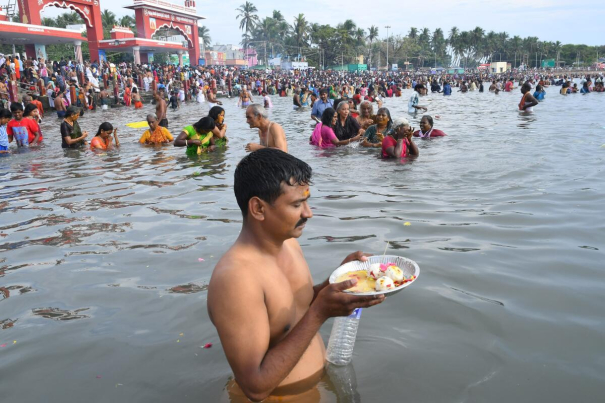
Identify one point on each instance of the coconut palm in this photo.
(49, 22)
(127, 21)
(247, 19)
(413, 34)
(372, 36)
(204, 35)
(66, 19)
(108, 19)
(300, 30)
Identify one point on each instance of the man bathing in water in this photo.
(271, 134)
(244, 97)
(528, 101)
(261, 297)
(160, 109)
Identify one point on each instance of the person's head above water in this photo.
(426, 123)
(204, 125)
(255, 113)
(271, 188)
(327, 118)
(215, 112)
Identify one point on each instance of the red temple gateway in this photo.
(150, 15)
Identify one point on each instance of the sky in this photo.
(575, 22)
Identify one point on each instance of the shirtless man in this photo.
(60, 105)
(244, 97)
(296, 98)
(211, 97)
(271, 134)
(160, 109)
(261, 296)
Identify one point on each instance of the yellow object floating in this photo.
(407, 224)
(138, 125)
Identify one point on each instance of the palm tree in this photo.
(516, 44)
(300, 30)
(66, 19)
(413, 34)
(556, 47)
(372, 35)
(108, 19)
(49, 22)
(476, 40)
(438, 43)
(127, 21)
(452, 40)
(204, 35)
(248, 19)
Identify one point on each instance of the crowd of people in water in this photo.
(342, 104)
(345, 109)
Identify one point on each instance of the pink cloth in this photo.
(431, 133)
(389, 141)
(323, 136)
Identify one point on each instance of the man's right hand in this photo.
(332, 301)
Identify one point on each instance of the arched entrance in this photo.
(89, 10)
(152, 15)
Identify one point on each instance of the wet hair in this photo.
(525, 87)
(5, 113)
(105, 126)
(538, 87)
(327, 116)
(204, 125)
(323, 91)
(259, 110)
(16, 106)
(387, 112)
(29, 108)
(215, 111)
(262, 173)
(429, 119)
(72, 110)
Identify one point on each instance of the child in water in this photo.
(5, 116)
(174, 101)
(539, 93)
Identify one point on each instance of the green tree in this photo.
(247, 19)
(413, 34)
(372, 36)
(204, 35)
(300, 30)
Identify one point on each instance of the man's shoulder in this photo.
(236, 270)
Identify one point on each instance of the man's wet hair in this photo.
(262, 173)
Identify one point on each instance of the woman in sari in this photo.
(197, 137)
(220, 129)
(103, 140)
(71, 133)
(323, 136)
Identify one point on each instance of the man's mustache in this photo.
(301, 222)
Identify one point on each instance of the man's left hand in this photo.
(359, 255)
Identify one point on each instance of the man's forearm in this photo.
(281, 359)
(318, 287)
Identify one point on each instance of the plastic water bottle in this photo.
(344, 382)
(342, 338)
